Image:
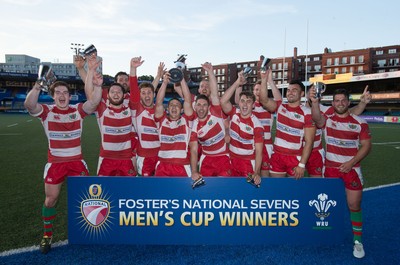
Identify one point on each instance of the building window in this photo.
(286, 66)
(361, 58)
(360, 70)
(329, 62)
(336, 61)
(391, 51)
(317, 68)
(336, 70)
(279, 66)
(381, 63)
(380, 52)
(273, 66)
(328, 71)
(316, 59)
(352, 59)
(344, 70)
(344, 60)
(351, 69)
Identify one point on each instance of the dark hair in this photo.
(298, 82)
(202, 96)
(57, 84)
(118, 85)
(248, 94)
(175, 98)
(118, 74)
(341, 91)
(146, 84)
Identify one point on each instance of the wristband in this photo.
(301, 165)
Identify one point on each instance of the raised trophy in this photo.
(319, 89)
(46, 76)
(247, 71)
(264, 64)
(176, 74)
(86, 52)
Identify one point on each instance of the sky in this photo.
(216, 31)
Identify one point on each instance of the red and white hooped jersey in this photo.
(174, 139)
(266, 118)
(211, 132)
(63, 129)
(244, 134)
(116, 131)
(342, 138)
(144, 124)
(290, 124)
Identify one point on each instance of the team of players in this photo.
(140, 137)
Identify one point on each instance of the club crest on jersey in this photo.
(210, 122)
(297, 116)
(352, 127)
(73, 116)
(322, 205)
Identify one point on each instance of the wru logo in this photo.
(322, 205)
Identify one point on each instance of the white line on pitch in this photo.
(384, 143)
(30, 249)
(11, 125)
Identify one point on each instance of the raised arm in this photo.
(212, 80)
(237, 93)
(133, 80)
(364, 100)
(135, 63)
(93, 86)
(226, 105)
(316, 114)
(31, 101)
(79, 63)
(159, 106)
(160, 72)
(187, 98)
(268, 103)
(276, 94)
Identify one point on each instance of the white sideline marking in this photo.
(10, 134)
(384, 143)
(31, 249)
(11, 125)
(381, 186)
(65, 242)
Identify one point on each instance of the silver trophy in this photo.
(198, 183)
(319, 89)
(176, 74)
(250, 180)
(264, 64)
(85, 53)
(247, 71)
(46, 76)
